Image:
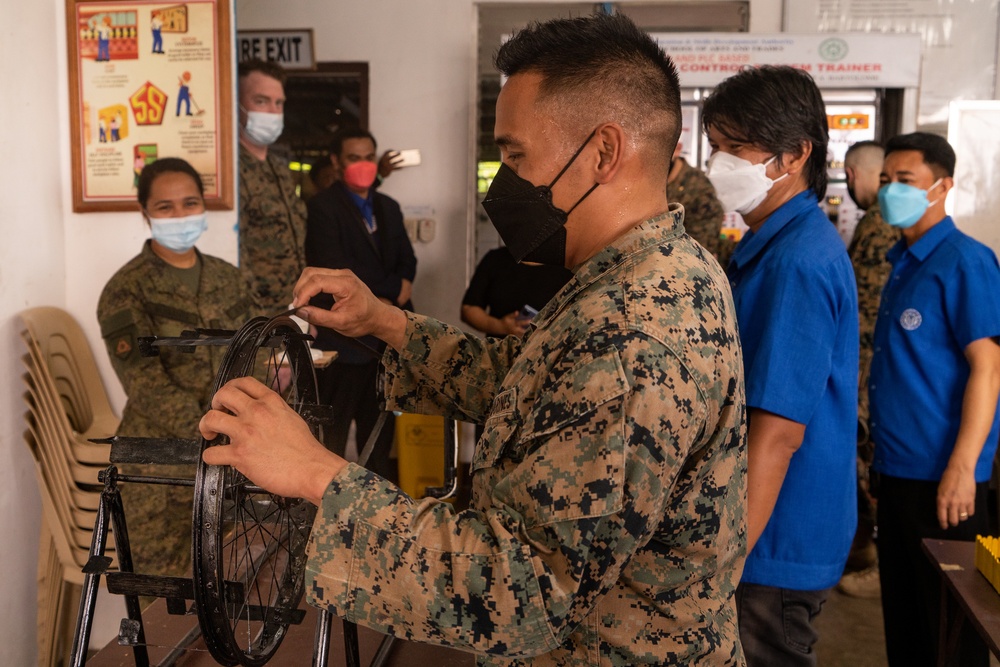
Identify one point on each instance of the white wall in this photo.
(31, 273)
(420, 66)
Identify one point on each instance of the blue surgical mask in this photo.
(902, 205)
(178, 234)
(263, 129)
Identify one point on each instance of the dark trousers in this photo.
(776, 625)
(911, 586)
(350, 389)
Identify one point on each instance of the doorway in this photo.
(318, 103)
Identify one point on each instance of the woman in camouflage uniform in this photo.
(168, 288)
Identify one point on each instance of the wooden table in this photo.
(966, 595)
(328, 357)
(164, 631)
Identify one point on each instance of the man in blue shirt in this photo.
(934, 383)
(797, 309)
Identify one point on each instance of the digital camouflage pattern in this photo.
(272, 223)
(167, 395)
(703, 213)
(607, 523)
(873, 237)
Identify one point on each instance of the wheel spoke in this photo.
(254, 540)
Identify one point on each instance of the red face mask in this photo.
(360, 175)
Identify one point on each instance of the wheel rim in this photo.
(249, 560)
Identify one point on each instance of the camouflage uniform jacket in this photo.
(703, 212)
(873, 237)
(272, 230)
(607, 525)
(168, 394)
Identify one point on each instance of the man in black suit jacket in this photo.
(352, 226)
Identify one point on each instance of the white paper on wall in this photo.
(974, 133)
(959, 40)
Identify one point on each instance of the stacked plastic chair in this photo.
(66, 404)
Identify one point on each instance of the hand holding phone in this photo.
(407, 158)
(526, 313)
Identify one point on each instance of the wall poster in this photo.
(148, 79)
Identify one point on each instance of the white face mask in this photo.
(263, 129)
(178, 234)
(740, 185)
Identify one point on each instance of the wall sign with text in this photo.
(855, 60)
(148, 79)
(292, 49)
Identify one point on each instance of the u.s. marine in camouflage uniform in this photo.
(607, 525)
(873, 237)
(272, 224)
(703, 212)
(608, 518)
(168, 394)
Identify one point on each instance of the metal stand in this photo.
(125, 582)
(110, 506)
(260, 333)
(178, 590)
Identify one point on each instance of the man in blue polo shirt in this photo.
(796, 304)
(934, 383)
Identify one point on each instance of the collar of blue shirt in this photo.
(753, 243)
(365, 206)
(926, 244)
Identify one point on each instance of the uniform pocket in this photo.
(571, 450)
(499, 431)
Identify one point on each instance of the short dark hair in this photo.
(266, 67)
(862, 145)
(165, 165)
(602, 68)
(866, 156)
(775, 108)
(345, 133)
(937, 152)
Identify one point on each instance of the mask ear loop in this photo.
(585, 195)
(773, 180)
(573, 159)
(933, 185)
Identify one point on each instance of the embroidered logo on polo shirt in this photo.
(910, 319)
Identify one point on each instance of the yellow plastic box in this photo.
(420, 452)
(988, 559)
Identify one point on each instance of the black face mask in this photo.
(850, 193)
(528, 222)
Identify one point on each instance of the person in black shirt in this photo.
(495, 300)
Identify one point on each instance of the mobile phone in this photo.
(527, 312)
(408, 158)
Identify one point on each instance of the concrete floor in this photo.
(851, 634)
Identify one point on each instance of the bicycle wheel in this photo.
(249, 545)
